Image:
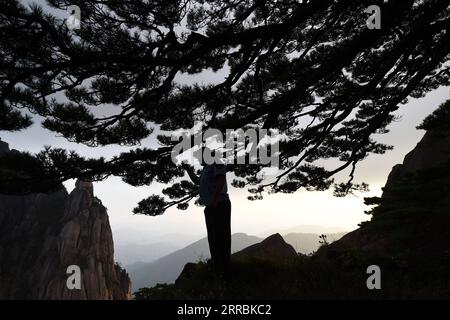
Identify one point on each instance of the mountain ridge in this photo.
(166, 270)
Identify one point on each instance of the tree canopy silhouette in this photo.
(312, 70)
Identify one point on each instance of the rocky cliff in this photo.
(41, 235)
(413, 214)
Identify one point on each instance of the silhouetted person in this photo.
(214, 196)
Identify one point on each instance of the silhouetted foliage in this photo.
(323, 240)
(439, 119)
(314, 71)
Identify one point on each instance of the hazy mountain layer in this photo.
(167, 269)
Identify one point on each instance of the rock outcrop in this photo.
(432, 152)
(413, 216)
(41, 235)
(272, 249)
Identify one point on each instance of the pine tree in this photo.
(311, 69)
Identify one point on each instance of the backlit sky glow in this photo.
(279, 211)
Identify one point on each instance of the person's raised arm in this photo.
(190, 171)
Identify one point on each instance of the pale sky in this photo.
(278, 211)
(252, 217)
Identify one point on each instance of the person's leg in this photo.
(227, 238)
(223, 231)
(212, 234)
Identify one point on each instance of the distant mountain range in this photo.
(307, 243)
(133, 245)
(127, 236)
(166, 269)
(304, 229)
(130, 253)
